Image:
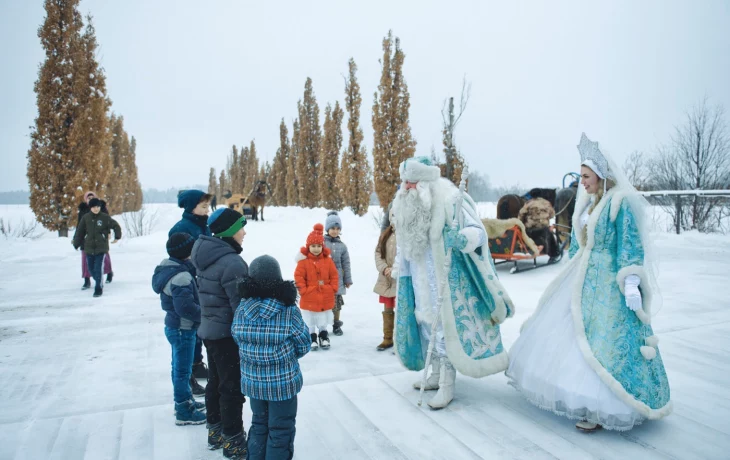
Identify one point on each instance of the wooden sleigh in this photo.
(509, 243)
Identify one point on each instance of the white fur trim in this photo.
(581, 260)
(648, 353)
(644, 314)
(616, 205)
(472, 235)
(412, 170)
(652, 341)
(299, 257)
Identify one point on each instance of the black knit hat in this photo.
(180, 245)
(264, 269)
(223, 219)
(94, 202)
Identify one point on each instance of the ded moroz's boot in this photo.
(432, 382)
(446, 385)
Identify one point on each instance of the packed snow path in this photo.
(84, 378)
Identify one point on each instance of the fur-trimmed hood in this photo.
(263, 300)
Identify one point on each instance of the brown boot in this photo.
(388, 319)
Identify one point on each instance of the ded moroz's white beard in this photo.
(412, 209)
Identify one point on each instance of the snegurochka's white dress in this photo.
(587, 374)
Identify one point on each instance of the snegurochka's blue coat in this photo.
(617, 343)
(473, 306)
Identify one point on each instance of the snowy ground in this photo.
(84, 378)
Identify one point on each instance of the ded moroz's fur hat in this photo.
(419, 169)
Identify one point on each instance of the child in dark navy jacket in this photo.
(174, 280)
(271, 337)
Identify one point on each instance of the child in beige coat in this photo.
(386, 287)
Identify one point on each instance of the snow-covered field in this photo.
(84, 378)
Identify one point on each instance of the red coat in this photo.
(317, 280)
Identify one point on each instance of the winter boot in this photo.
(432, 382)
(197, 405)
(87, 284)
(200, 371)
(337, 325)
(388, 319)
(324, 341)
(98, 291)
(235, 446)
(215, 436)
(446, 386)
(195, 387)
(187, 414)
(315, 344)
(109, 277)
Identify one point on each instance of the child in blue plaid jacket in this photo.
(271, 337)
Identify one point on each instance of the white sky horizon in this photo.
(193, 79)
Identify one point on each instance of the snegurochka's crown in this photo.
(591, 156)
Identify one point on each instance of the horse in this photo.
(508, 206)
(257, 198)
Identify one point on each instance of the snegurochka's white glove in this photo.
(632, 293)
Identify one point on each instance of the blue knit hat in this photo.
(189, 199)
(333, 220)
(180, 245)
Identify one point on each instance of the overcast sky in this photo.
(193, 78)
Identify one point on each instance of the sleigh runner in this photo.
(509, 243)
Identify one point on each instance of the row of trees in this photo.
(697, 157)
(76, 144)
(313, 168)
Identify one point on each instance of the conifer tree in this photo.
(243, 164)
(329, 194)
(253, 168)
(58, 157)
(354, 176)
(309, 148)
(392, 141)
(233, 176)
(118, 184)
(222, 190)
(278, 177)
(92, 137)
(212, 183)
(133, 198)
(292, 183)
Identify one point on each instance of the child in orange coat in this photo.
(317, 280)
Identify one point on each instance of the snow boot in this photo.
(432, 382)
(446, 386)
(235, 446)
(324, 341)
(109, 277)
(315, 344)
(195, 387)
(200, 371)
(187, 414)
(87, 284)
(388, 320)
(337, 325)
(197, 405)
(215, 436)
(98, 291)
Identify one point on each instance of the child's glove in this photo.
(454, 239)
(632, 293)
